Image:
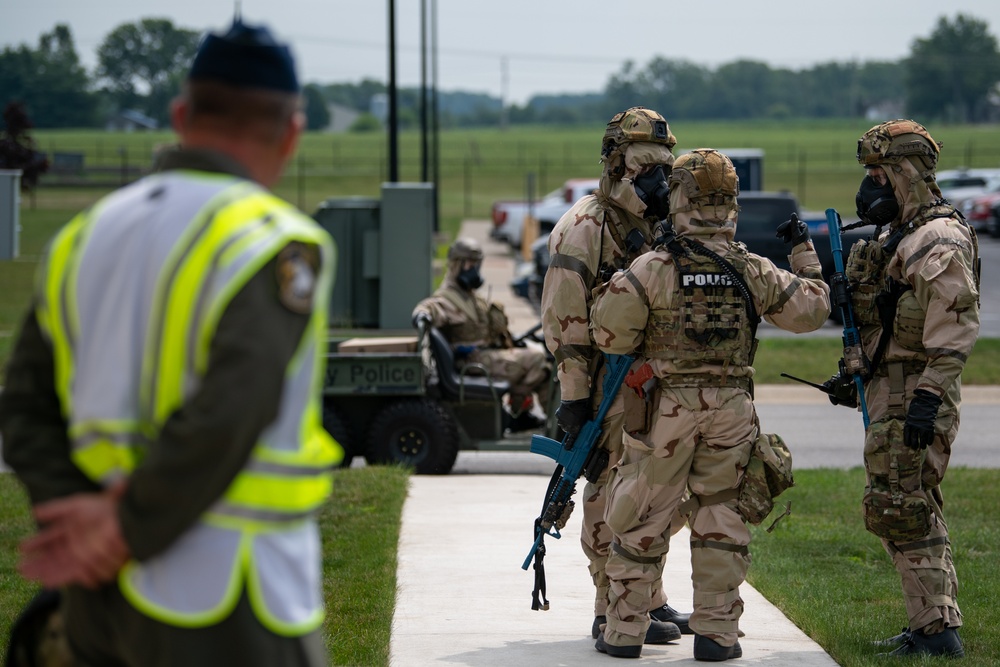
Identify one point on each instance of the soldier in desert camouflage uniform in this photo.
(602, 233)
(478, 333)
(695, 426)
(915, 292)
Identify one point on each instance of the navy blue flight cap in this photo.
(246, 57)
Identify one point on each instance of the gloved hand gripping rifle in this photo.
(853, 363)
(576, 455)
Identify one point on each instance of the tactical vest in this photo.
(474, 328)
(130, 295)
(876, 298)
(711, 326)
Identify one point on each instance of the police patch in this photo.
(296, 270)
(706, 280)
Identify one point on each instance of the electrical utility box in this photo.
(385, 249)
(10, 213)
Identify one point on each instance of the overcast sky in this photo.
(519, 48)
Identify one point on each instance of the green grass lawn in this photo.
(819, 566)
(835, 582)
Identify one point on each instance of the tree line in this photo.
(950, 75)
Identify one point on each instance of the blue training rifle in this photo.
(577, 454)
(840, 296)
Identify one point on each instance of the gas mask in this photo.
(652, 190)
(876, 203)
(469, 279)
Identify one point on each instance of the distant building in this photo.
(130, 120)
(379, 106)
(341, 117)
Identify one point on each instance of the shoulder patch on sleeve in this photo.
(296, 271)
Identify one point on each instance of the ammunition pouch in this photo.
(639, 410)
(908, 323)
(768, 474)
(864, 271)
(895, 503)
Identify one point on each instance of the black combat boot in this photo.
(671, 615)
(661, 632)
(893, 642)
(711, 651)
(595, 629)
(617, 651)
(947, 644)
(658, 632)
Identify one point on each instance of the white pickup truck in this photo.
(509, 216)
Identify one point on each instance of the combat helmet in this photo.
(707, 177)
(465, 249)
(629, 126)
(896, 140)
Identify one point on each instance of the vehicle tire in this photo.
(417, 433)
(340, 429)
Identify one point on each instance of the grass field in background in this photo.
(814, 159)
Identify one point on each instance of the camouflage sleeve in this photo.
(441, 311)
(795, 303)
(574, 248)
(618, 316)
(939, 268)
(805, 262)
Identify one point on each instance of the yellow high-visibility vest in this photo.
(130, 294)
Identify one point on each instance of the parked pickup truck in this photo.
(509, 216)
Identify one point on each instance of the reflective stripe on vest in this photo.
(139, 285)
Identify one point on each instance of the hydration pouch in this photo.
(895, 503)
(768, 474)
(863, 270)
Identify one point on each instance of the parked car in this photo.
(983, 211)
(960, 185)
(509, 216)
(760, 214)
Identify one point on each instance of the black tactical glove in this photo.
(793, 231)
(422, 320)
(572, 415)
(918, 430)
(842, 390)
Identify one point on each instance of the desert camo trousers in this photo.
(700, 439)
(525, 368)
(925, 566)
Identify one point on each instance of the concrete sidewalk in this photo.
(462, 597)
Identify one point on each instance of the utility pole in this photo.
(393, 124)
(424, 168)
(504, 78)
